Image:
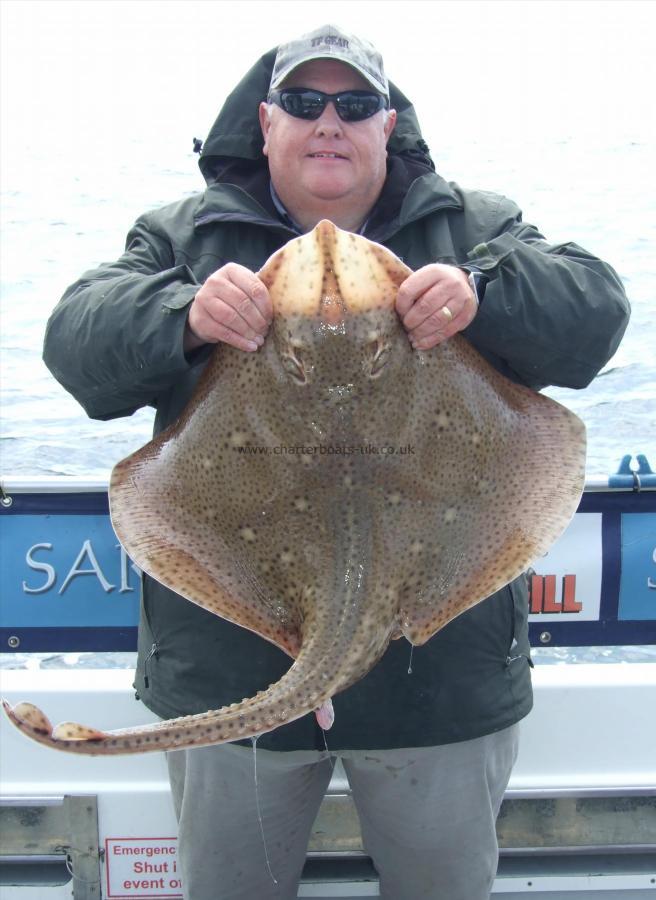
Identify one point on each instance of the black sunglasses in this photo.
(351, 106)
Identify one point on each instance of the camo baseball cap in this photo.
(330, 42)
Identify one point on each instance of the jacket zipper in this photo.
(153, 652)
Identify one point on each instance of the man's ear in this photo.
(390, 124)
(265, 125)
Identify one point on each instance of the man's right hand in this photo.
(232, 306)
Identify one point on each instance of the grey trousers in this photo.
(427, 817)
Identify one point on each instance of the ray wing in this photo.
(211, 511)
(496, 475)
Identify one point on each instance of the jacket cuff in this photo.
(477, 281)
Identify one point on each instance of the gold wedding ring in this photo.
(447, 312)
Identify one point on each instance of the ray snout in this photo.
(330, 273)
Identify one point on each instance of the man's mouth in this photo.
(326, 155)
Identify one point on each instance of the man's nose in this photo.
(329, 122)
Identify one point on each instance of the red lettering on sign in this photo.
(570, 604)
(536, 592)
(542, 592)
(549, 604)
(144, 885)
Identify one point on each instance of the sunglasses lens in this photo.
(351, 106)
(354, 106)
(304, 104)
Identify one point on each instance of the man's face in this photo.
(326, 161)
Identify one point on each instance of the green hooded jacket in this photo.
(552, 314)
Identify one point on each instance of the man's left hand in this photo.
(434, 303)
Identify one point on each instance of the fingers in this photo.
(258, 311)
(434, 303)
(232, 306)
(416, 285)
(440, 325)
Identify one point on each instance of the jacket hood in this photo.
(234, 143)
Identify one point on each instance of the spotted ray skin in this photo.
(276, 502)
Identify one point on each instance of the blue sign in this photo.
(638, 586)
(67, 584)
(67, 570)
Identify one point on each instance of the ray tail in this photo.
(322, 669)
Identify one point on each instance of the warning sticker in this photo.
(142, 868)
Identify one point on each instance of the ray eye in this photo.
(379, 356)
(293, 365)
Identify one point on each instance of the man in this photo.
(428, 755)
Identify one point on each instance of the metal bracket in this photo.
(32, 830)
(636, 479)
(5, 500)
